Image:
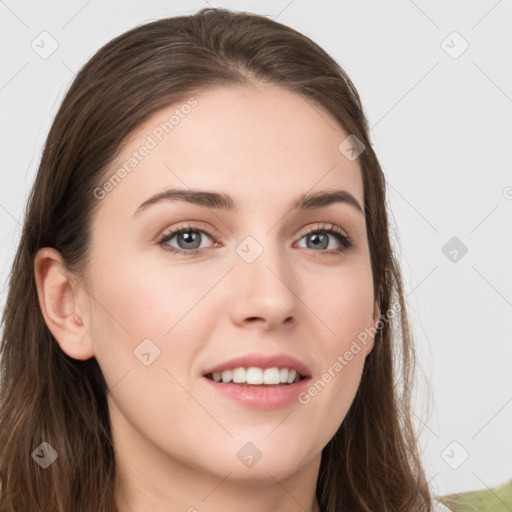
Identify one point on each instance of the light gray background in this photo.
(441, 126)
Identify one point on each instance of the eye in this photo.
(318, 238)
(188, 239)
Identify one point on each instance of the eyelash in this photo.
(345, 241)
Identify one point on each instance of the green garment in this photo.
(491, 500)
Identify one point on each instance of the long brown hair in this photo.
(372, 462)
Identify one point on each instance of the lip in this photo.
(260, 397)
(263, 361)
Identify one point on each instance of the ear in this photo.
(61, 301)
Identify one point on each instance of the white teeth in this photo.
(271, 376)
(254, 375)
(257, 376)
(239, 375)
(227, 375)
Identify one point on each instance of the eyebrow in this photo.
(217, 200)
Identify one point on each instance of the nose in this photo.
(263, 291)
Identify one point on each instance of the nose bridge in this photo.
(263, 279)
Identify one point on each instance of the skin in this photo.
(176, 439)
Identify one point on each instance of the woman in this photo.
(204, 309)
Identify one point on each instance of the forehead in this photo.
(255, 142)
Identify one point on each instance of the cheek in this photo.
(140, 299)
(330, 396)
(144, 368)
(333, 388)
(344, 304)
(140, 309)
(342, 301)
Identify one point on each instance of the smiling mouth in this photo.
(257, 377)
(244, 384)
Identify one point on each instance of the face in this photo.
(287, 286)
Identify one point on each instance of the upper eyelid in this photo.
(184, 228)
(326, 226)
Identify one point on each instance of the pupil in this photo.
(316, 236)
(190, 237)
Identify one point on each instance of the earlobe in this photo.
(64, 314)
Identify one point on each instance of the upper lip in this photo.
(262, 361)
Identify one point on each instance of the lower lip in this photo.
(261, 397)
